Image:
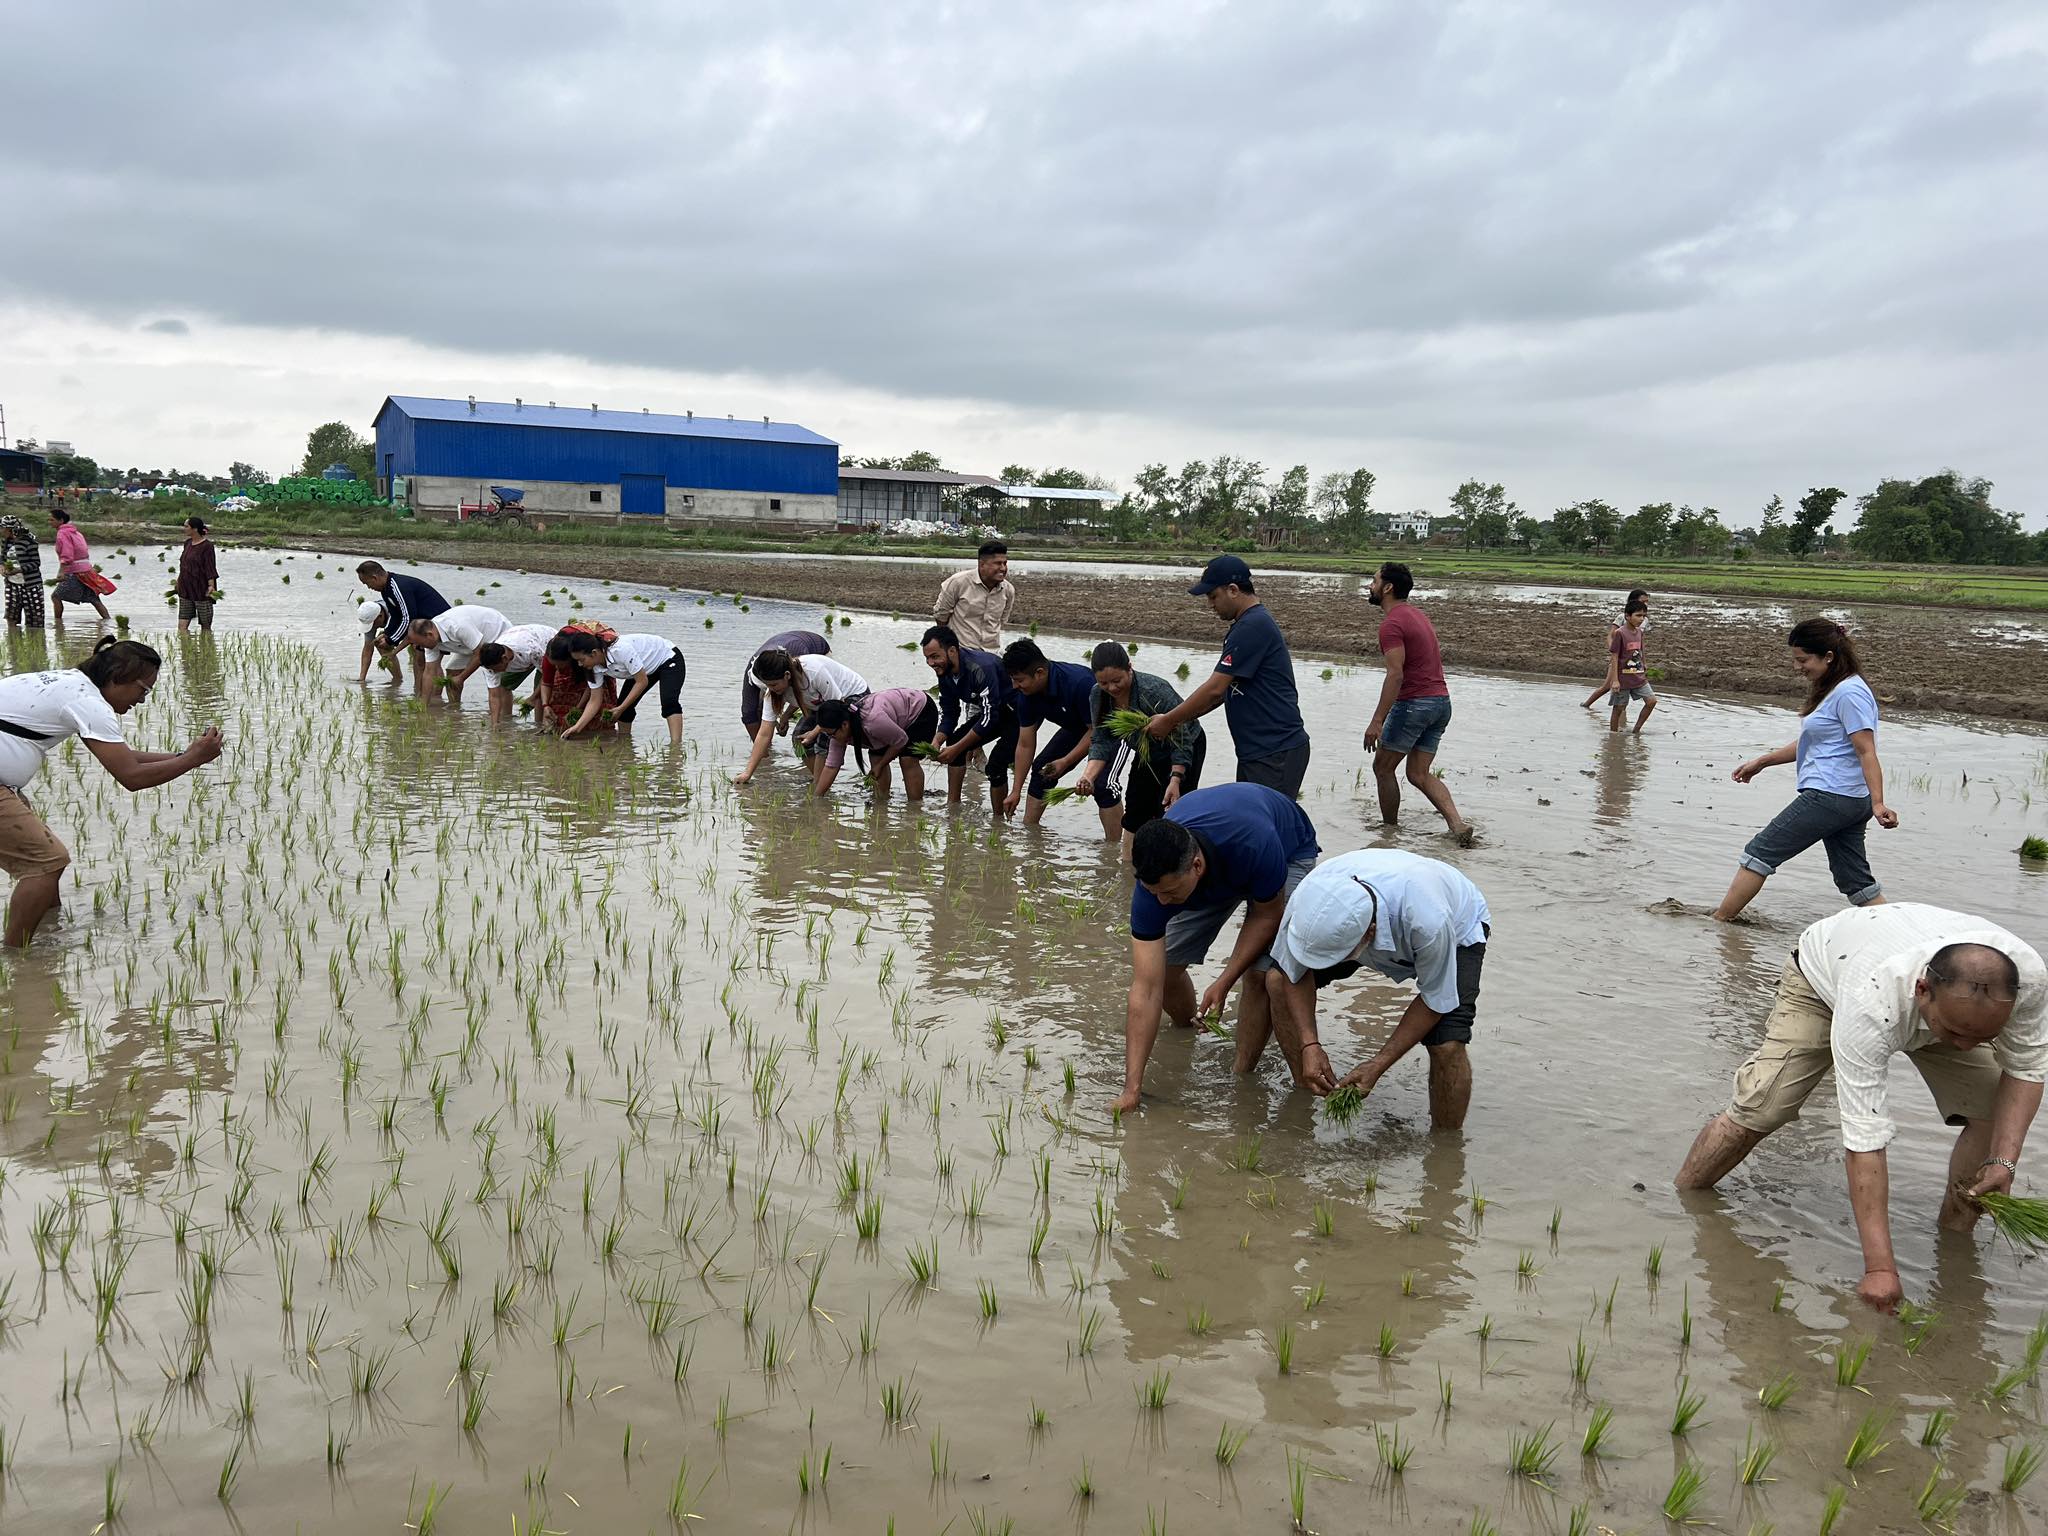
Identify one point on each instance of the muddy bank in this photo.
(1915, 663)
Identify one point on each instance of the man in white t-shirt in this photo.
(1962, 999)
(455, 637)
(509, 659)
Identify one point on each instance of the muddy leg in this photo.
(1385, 768)
(1973, 1145)
(34, 896)
(1719, 1147)
(1741, 892)
(1254, 1022)
(1450, 1085)
(1435, 790)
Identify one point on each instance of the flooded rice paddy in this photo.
(411, 1124)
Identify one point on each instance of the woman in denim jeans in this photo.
(1841, 782)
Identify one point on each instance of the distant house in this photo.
(1409, 525)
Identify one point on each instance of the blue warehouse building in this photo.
(438, 456)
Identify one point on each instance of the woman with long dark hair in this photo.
(892, 724)
(40, 709)
(1840, 784)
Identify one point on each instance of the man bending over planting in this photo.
(1408, 918)
(1062, 692)
(977, 711)
(1215, 850)
(454, 638)
(1962, 999)
(405, 598)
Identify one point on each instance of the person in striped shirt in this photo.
(1961, 998)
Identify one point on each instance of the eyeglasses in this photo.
(1975, 988)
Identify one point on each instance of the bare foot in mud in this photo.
(1466, 836)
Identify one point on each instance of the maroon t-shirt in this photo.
(1422, 669)
(1626, 646)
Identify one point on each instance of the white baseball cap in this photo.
(368, 611)
(1326, 917)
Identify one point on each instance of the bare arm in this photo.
(1870, 1198)
(1777, 757)
(1205, 698)
(134, 770)
(1417, 1020)
(1294, 1026)
(2012, 1115)
(1865, 743)
(1141, 1014)
(1261, 923)
(590, 711)
(764, 741)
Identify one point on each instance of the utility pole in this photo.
(3, 426)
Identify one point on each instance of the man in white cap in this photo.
(370, 614)
(1406, 917)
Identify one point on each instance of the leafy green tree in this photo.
(1773, 537)
(1287, 507)
(1602, 521)
(1527, 532)
(337, 443)
(1945, 517)
(1698, 533)
(1646, 529)
(246, 474)
(1815, 508)
(70, 469)
(1326, 501)
(922, 461)
(1569, 528)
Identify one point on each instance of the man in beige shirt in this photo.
(976, 604)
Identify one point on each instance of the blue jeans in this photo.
(1834, 821)
(1416, 725)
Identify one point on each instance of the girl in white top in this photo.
(639, 663)
(40, 709)
(797, 685)
(508, 659)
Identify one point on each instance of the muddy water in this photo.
(634, 1030)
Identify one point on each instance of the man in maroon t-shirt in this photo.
(1415, 703)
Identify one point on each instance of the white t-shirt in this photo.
(52, 704)
(825, 678)
(465, 627)
(527, 643)
(632, 654)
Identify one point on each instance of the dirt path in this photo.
(1917, 658)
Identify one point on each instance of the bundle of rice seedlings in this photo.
(2021, 1219)
(1343, 1104)
(1059, 794)
(1128, 725)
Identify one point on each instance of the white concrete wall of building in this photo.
(684, 506)
(444, 493)
(687, 505)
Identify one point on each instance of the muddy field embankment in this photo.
(1916, 658)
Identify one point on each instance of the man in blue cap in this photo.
(1406, 917)
(1253, 681)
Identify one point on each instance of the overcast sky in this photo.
(1646, 252)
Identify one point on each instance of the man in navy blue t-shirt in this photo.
(1062, 692)
(1253, 681)
(977, 708)
(405, 598)
(1214, 851)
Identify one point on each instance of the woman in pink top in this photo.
(73, 561)
(891, 724)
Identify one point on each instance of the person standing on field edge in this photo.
(1415, 702)
(198, 575)
(1253, 681)
(976, 604)
(1628, 673)
(1635, 595)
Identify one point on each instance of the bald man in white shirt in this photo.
(1965, 1001)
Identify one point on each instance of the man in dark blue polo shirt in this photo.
(405, 598)
(1062, 692)
(977, 709)
(1253, 681)
(1214, 851)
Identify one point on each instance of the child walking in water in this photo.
(1636, 595)
(1628, 676)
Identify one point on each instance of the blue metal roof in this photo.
(584, 418)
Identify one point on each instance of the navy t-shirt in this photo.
(1249, 835)
(977, 698)
(1069, 687)
(407, 598)
(1262, 706)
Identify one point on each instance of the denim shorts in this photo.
(1416, 725)
(1834, 821)
(1191, 930)
(1642, 693)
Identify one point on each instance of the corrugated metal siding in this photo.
(484, 450)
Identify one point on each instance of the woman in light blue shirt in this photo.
(1841, 782)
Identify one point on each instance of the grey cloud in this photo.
(168, 327)
(1350, 222)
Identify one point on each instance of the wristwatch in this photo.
(2000, 1162)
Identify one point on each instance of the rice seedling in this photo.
(1688, 1488)
(2007, 1383)
(1407, 1282)
(1580, 1360)
(1283, 1348)
(1200, 1323)
(1229, 1442)
(1245, 1155)
(681, 1499)
(1324, 1222)
(1084, 1482)
(813, 1474)
(1934, 1432)
(1849, 1362)
(1918, 1325)
(1482, 1525)
(1753, 1465)
(1394, 1452)
(1298, 1469)
(1685, 1320)
(1654, 1266)
(1532, 1455)
(1343, 1104)
(1091, 1325)
(989, 1304)
(1598, 1427)
(2021, 1220)
(1444, 1388)
(1313, 1297)
(1937, 1505)
(1384, 1345)
(941, 1456)
(2022, 1461)
(230, 1474)
(923, 1260)
(1774, 1394)
(1685, 1413)
(1152, 1391)
(1868, 1441)
(1831, 1509)
(1525, 1266)
(112, 1497)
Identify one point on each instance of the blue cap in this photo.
(1223, 571)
